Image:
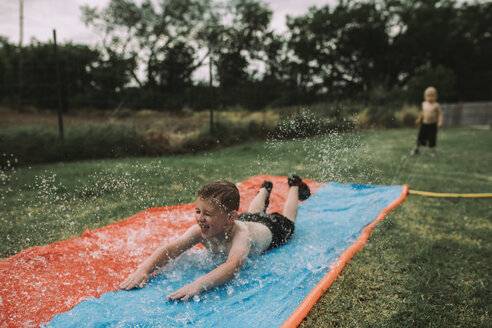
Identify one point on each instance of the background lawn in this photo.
(427, 264)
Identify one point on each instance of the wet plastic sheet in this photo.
(40, 282)
(269, 287)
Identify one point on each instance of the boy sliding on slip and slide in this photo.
(221, 229)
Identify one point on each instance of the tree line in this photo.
(371, 51)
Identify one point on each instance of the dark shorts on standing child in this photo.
(427, 134)
(281, 227)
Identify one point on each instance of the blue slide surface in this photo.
(269, 287)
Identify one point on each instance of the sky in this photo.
(42, 16)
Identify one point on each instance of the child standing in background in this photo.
(430, 119)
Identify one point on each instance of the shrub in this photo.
(407, 115)
(226, 133)
(25, 145)
(22, 145)
(377, 117)
(157, 143)
(306, 124)
(122, 112)
(90, 141)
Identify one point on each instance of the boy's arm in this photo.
(420, 117)
(222, 274)
(160, 257)
(439, 120)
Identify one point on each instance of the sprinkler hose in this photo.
(437, 194)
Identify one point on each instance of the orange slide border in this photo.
(307, 304)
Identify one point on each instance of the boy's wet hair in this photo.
(224, 193)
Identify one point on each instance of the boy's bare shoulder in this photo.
(250, 227)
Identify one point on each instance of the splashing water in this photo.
(339, 157)
(44, 205)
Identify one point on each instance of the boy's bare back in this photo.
(259, 237)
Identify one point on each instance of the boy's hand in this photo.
(138, 279)
(186, 292)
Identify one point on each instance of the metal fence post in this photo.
(58, 86)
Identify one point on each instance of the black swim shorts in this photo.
(427, 134)
(281, 227)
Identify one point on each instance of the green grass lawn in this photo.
(427, 264)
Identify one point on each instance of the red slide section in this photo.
(42, 281)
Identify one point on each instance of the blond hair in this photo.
(224, 193)
(430, 91)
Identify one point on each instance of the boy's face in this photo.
(211, 218)
(430, 97)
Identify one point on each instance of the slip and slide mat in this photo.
(74, 283)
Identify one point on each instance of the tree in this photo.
(175, 70)
(340, 50)
(8, 71)
(443, 79)
(443, 35)
(470, 51)
(147, 34)
(87, 79)
(110, 74)
(235, 38)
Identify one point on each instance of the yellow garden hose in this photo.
(437, 194)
